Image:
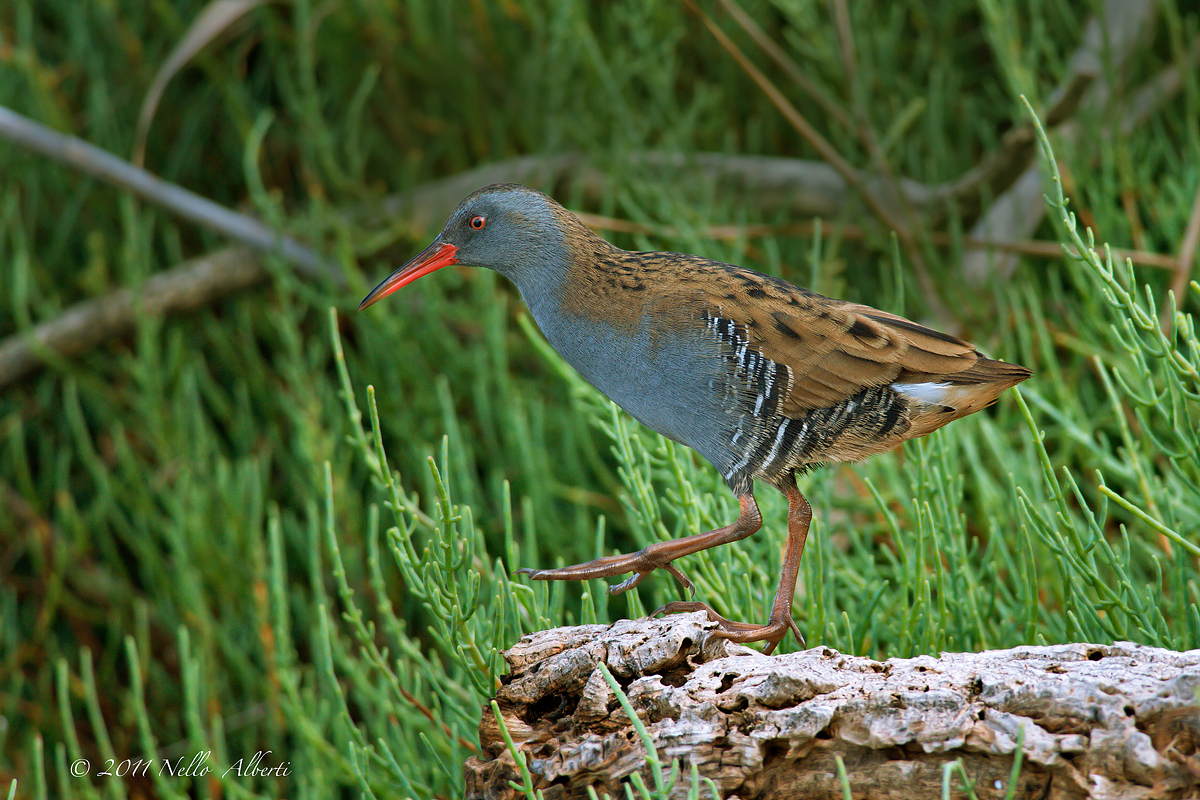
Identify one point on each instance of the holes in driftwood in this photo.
(775, 749)
(676, 671)
(549, 708)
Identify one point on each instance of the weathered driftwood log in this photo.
(1100, 721)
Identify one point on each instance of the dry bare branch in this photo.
(187, 286)
(91, 160)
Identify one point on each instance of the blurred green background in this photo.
(200, 549)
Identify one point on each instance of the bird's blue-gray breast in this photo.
(676, 384)
(700, 385)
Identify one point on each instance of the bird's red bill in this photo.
(434, 257)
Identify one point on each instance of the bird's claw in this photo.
(741, 632)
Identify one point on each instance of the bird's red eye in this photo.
(477, 222)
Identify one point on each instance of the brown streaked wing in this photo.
(836, 349)
(932, 355)
(832, 354)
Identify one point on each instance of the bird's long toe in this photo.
(640, 564)
(604, 567)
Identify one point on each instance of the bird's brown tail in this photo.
(969, 391)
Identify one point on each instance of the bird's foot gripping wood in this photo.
(660, 555)
(741, 632)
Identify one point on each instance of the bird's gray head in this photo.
(503, 226)
(514, 230)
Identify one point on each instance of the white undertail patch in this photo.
(937, 394)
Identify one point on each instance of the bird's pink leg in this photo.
(658, 555)
(799, 519)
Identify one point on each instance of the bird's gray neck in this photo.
(542, 292)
